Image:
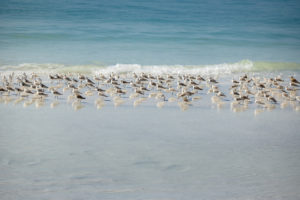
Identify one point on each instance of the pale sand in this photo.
(210, 151)
(148, 153)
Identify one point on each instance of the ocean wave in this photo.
(244, 65)
(224, 68)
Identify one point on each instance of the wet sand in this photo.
(148, 153)
(207, 151)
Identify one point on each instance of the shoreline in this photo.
(237, 91)
(143, 152)
(149, 151)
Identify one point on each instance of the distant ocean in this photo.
(135, 34)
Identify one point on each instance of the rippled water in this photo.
(142, 32)
(143, 152)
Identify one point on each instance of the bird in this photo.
(272, 99)
(293, 80)
(56, 93)
(79, 97)
(102, 94)
(211, 80)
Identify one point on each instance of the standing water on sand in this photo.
(159, 100)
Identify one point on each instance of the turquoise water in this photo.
(144, 152)
(167, 32)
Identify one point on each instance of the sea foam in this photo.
(217, 69)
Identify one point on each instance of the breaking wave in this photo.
(224, 68)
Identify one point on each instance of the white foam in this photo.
(225, 68)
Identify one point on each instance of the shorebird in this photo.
(221, 94)
(160, 87)
(265, 91)
(51, 77)
(72, 86)
(79, 97)
(81, 77)
(19, 90)
(152, 84)
(74, 80)
(3, 89)
(28, 91)
(139, 91)
(272, 99)
(120, 91)
(97, 79)
(160, 96)
(10, 89)
(41, 94)
(195, 87)
(25, 84)
(193, 83)
(293, 80)
(200, 78)
(89, 80)
(186, 94)
(185, 99)
(180, 84)
(102, 94)
(99, 89)
(56, 93)
(278, 78)
(235, 82)
(125, 82)
(66, 78)
(211, 80)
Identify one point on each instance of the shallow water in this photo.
(148, 153)
(50, 151)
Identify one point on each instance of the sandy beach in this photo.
(149, 100)
(148, 153)
(215, 150)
